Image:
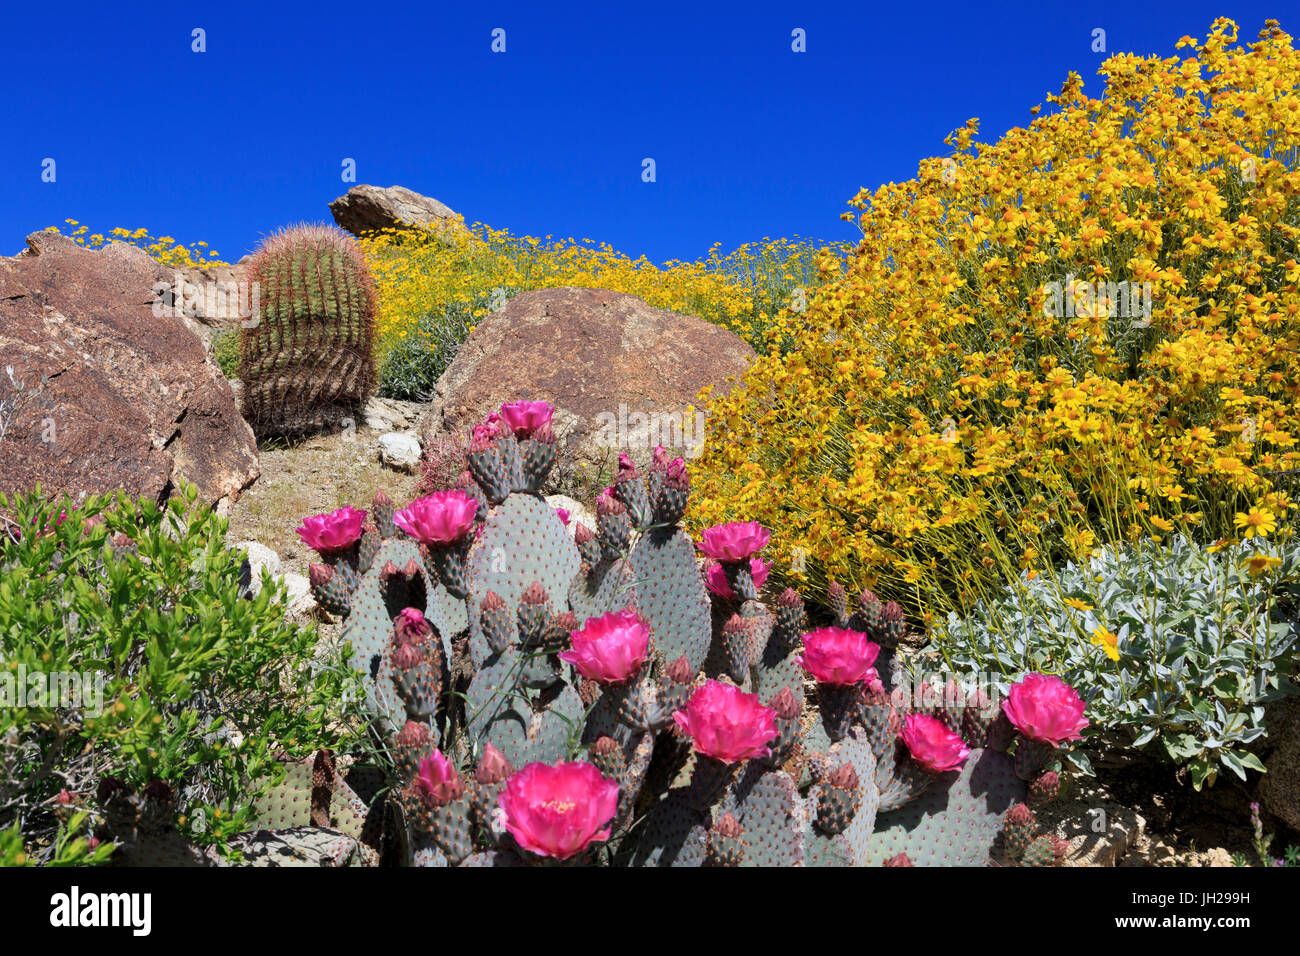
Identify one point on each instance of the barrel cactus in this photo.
(305, 354)
(624, 695)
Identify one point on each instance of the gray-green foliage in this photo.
(1203, 645)
(413, 367)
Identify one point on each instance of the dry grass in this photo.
(314, 476)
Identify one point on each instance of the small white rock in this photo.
(298, 599)
(259, 557)
(400, 450)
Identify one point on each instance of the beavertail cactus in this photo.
(626, 694)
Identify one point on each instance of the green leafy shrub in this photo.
(1175, 648)
(225, 352)
(145, 658)
(416, 362)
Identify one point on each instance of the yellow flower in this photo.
(1109, 642)
(1077, 604)
(1258, 564)
(1257, 522)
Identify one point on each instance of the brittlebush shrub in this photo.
(937, 430)
(164, 249)
(452, 269)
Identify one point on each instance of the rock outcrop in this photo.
(622, 374)
(130, 398)
(366, 209)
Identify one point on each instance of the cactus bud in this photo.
(411, 627)
(607, 505)
(412, 734)
(726, 846)
(607, 756)
(493, 767)
(902, 859)
(676, 690)
(680, 672)
(728, 827)
(532, 614)
(582, 534)
(1018, 827)
(319, 574)
(838, 602)
(498, 629)
(1044, 788)
(839, 800)
(786, 705)
(407, 656)
(844, 777)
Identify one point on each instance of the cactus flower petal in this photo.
(1046, 709)
(558, 811)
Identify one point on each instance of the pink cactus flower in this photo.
(489, 430)
(437, 780)
(564, 515)
(932, 744)
(839, 657)
(411, 626)
(524, 418)
(625, 462)
(734, 541)
(1046, 709)
(438, 519)
(332, 533)
(610, 649)
(726, 723)
(558, 811)
(716, 578)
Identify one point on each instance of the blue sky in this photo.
(749, 138)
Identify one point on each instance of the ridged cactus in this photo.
(305, 355)
(581, 698)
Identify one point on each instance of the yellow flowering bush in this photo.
(424, 272)
(164, 248)
(1084, 334)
